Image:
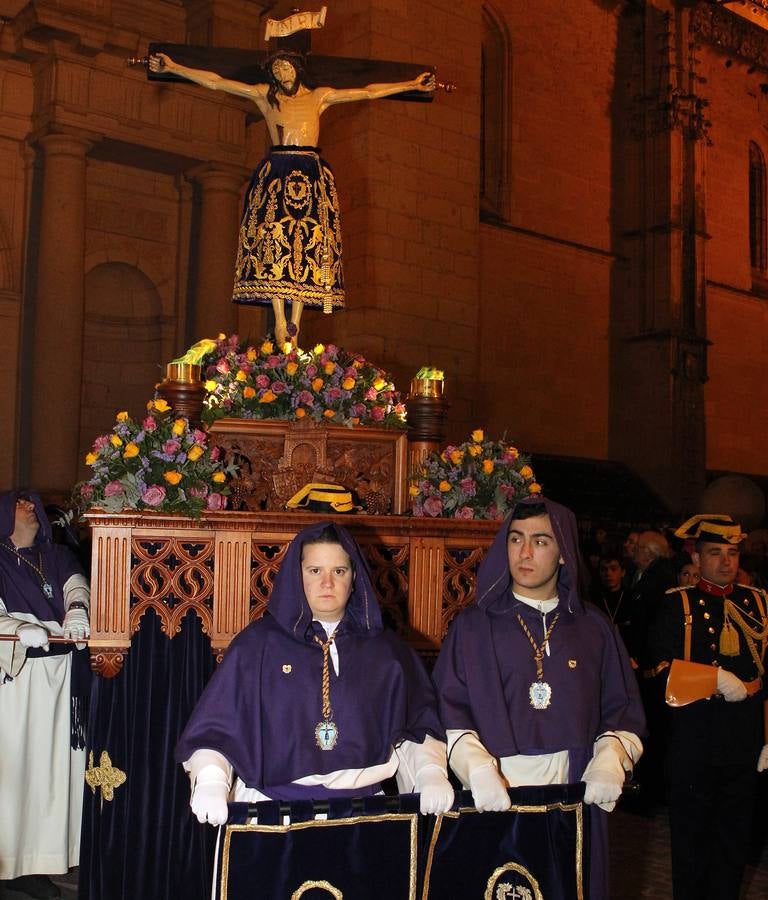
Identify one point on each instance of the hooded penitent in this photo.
(593, 687)
(262, 706)
(25, 571)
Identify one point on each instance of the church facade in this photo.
(577, 235)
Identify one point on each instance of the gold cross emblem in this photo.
(105, 776)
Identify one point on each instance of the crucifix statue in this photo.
(289, 242)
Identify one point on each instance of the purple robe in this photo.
(262, 706)
(486, 667)
(20, 585)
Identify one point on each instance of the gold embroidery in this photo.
(413, 818)
(105, 776)
(322, 885)
(506, 891)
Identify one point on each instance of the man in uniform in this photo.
(713, 636)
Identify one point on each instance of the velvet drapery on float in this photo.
(378, 848)
(144, 841)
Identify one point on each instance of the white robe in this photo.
(41, 777)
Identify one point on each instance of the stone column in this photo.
(212, 309)
(57, 334)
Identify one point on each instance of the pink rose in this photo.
(154, 495)
(171, 447)
(113, 489)
(217, 501)
(377, 413)
(433, 506)
(101, 441)
(149, 424)
(86, 491)
(371, 393)
(200, 437)
(466, 512)
(223, 366)
(263, 381)
(215, 453)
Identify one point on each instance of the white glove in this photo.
(604, 775)
(435, 790)
(209, 796)
(489, 791)
(730, 686)
(31, 635)
(76, 626)
(762, 762)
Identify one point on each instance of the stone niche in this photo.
(277, 458)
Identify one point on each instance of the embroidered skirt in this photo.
(289, 244)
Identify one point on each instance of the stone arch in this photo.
(122, 346)
(496, 56)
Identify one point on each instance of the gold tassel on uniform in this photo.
(729, 639)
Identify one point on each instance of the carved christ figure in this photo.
(289, 243)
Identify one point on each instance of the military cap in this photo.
(717, 529)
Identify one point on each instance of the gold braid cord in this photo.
(750, 634)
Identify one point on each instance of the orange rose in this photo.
(248, 392)
(172, 477)
(487, 466)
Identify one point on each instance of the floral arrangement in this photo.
(162, 463)
(479, 479)
(326, 384)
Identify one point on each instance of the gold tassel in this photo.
(729, 639)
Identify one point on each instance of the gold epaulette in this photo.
(674, 590)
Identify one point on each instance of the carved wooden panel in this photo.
(172, 576)
(277, 458)
(223, 567)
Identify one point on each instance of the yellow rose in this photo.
(329, 368)
(414, 491)
(131, 450)
(357, 363)
(318, 348)
(457, 456)
(222, 336)
(348, 384)
(172, 477)
(534, 487)
(317, 384)
(513, 452)
(329, 413)
(380, 383)
(90, 459)
(115, 441)
(267, 347)
(487, 466)
(241, 376)
(292, 368)
(267, 397)
(195, 452)
(287, 347)
(161, 405)
(211, 385)
(300, 412)
(478, 435)
(178, 427)
(445, 486)
(219, 477)
(526, 472)
(475, 450)
(122, 416)
(249, 393)
(251, 354)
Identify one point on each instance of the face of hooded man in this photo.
(534, 557)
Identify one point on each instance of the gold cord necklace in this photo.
(45, 585)
(326, 732)
(539, 692)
